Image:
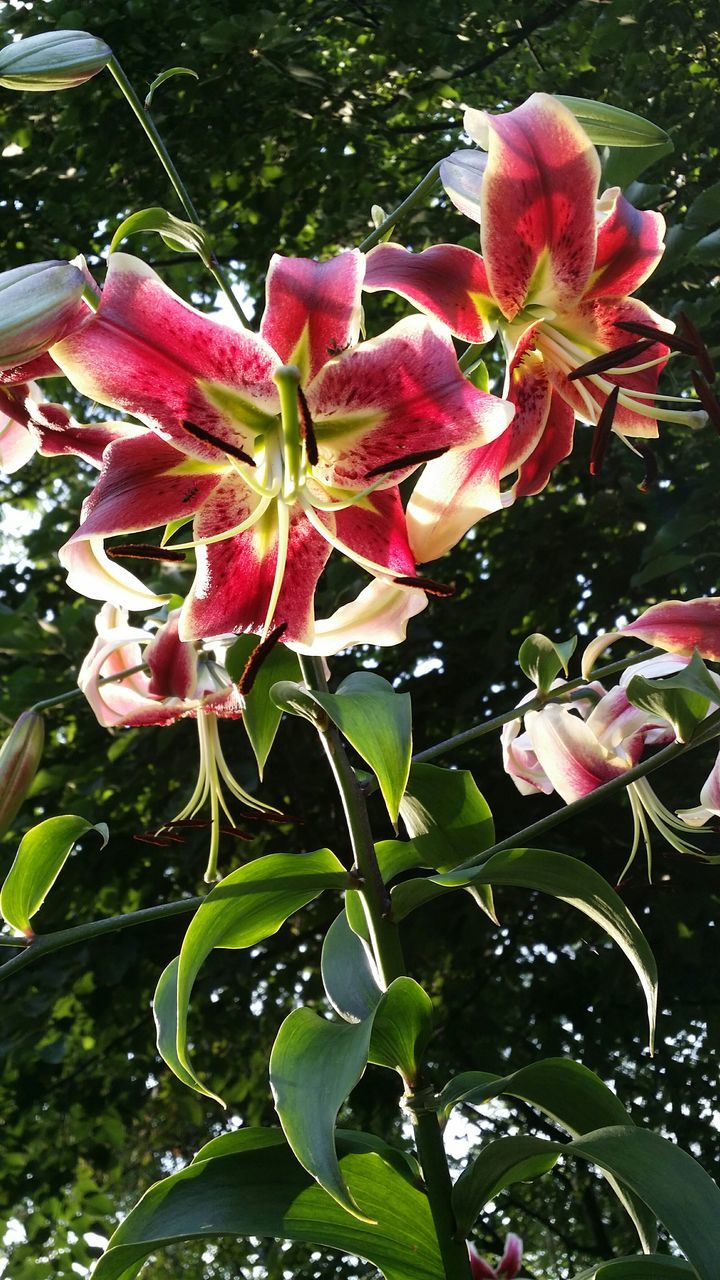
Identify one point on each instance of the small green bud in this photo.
(39, 304)
(377, 213)
(53, 60)
(20, 757)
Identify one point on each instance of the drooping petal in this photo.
(17, 445)
(538, 204)
(173, 663)
(376, 529)
(619, 726)
(569, 752)
(235, 578)
(379, 615)
(553, 446)
(41, 367)
(148, 353)
(629, 246)
(396, 395)
(462, 177)
(92, 574)
(678, 626)
(709, 806)
(445, 281)
(509, 1264)
(117, 647)
(57, 433)
(521, 763)
(312, 309)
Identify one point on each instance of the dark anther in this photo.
(309, 436)
(672, 340)
(707, 398)
(652, 470)
(601, 434)
(258, 656)
(208, 438)
(407, 460)
(143, 551)
(610, 359)
(161, 841)
(235, 833)
(189, 823)
(688, 330)
(430, 585)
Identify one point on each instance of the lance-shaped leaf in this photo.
(644, 1266)
(612, 126)
(572, 1096)
(177, 234)
(542, 659)
(39, 860)
(622, 167)
(683, 699)
(316, 1063)
(564, 878)
(161, 79)
(671, 1182)
(248, 905)
(262, 716)
(348, 972)
(249, 1183)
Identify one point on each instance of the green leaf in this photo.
(446, 817)
(707, 249)
(262, 716)
(572, 1096)
(377, 722)
(646, 1266)
(348, 973)
(620, 168)
(259, 1189)
(562, 877)
(499, 1165)
(314, 1065)
(165, 1013)
(683, 699)
(39, 860)
(247, 906)
(401, 1028)
(396, 856)
(612, 126)
(297, 700)
(167, 75)
(541, 659)
(181, 236)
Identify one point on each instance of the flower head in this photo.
(507, 1268)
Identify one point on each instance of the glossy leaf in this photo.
(612, 126)
(401, 1028)
(542, 659)
(446, 817)
(258, 1188)
(165, 1014)
(248, 905)
(177, 234)
(348, 973)
(562, 877)
(644, 1266)
(314, 1065)
(500, 1164)
(621, 167)
(261, 717)
(683, 699)
(39, 860)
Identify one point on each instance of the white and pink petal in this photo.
(312, 309)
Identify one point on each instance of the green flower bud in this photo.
(39, 304)
(53, 60)
(19, 760)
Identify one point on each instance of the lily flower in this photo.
(554, 279)
(132, 678)
(679, 626)
(17, 443)
(281, 445)
(709, 806)
(574, 748)
(507, 1268)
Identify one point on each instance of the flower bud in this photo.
(19, 760)
(53, 60)
(39, 304)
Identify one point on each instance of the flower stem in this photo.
(77, 693)
(389, 959)
(149, 127)
(424, 185)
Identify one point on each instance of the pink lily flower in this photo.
(574, 748)
(679, 626)
(709, 806)
(281, 445)
(131, 677)
(557, 268)
(507, 1268)
(17, 444)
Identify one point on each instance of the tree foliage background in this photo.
(305, 114)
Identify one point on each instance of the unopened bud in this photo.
(19, 760)
(377, 213)
(53, 60)
(39, 304)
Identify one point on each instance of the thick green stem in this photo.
(389, 958)
(426, 184)
(149, 127)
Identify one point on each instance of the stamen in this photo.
(257, 657)
(652, 468)
(707, 398)
(430, 585)
(671, 340)
(408, 460)
(601, 434)
(144, 551)
(233, 450)
(707, 368)
(610, 359)
(308, 429)
(161, 841)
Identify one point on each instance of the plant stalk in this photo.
(424, 185)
